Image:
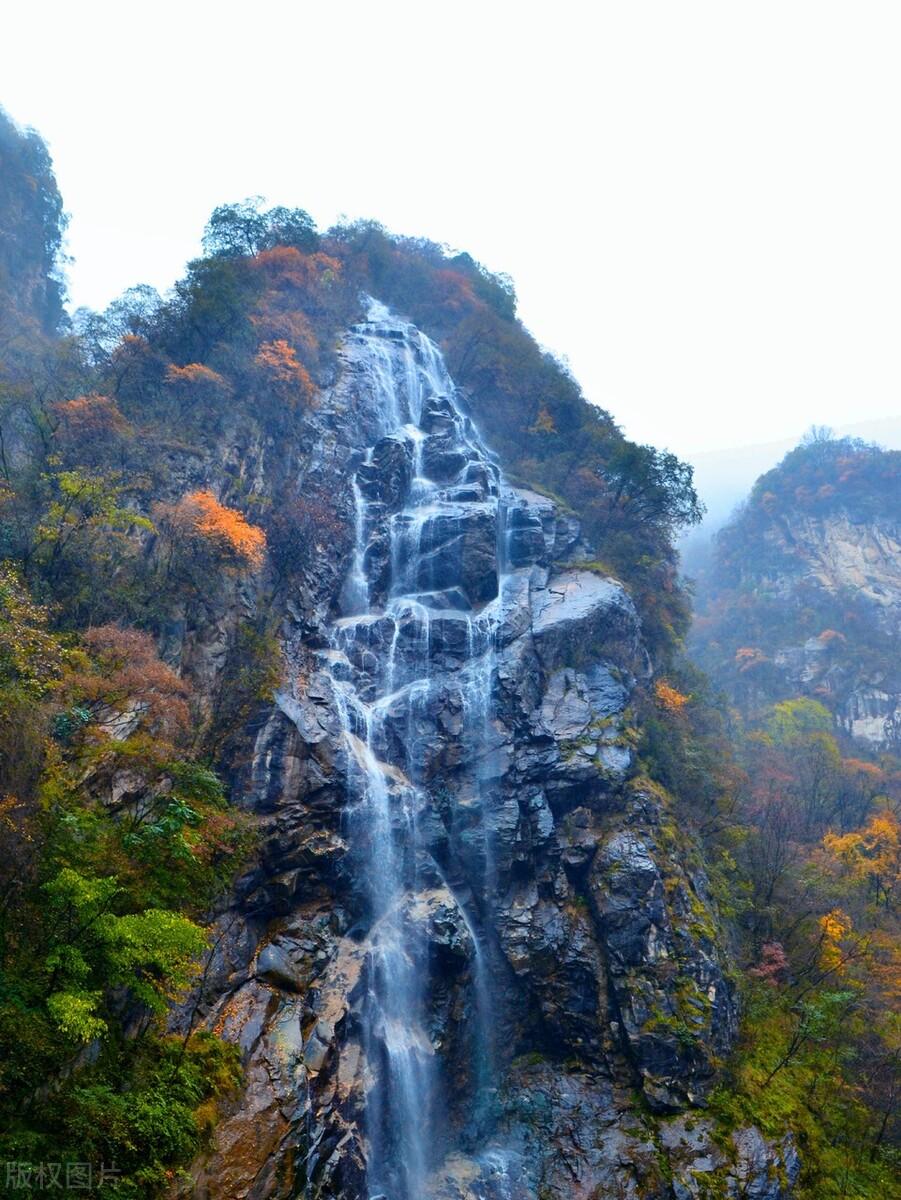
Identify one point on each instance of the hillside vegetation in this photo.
(798, 624)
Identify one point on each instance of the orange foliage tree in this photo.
(295, 282)
(198, 525)
(90, 416)
(289, 325)
(197, 386)
(286, 267)
(668, 698)
(90, 427)
(281, 369)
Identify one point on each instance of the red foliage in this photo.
(773, 962)
(90, 416)
(127, 675)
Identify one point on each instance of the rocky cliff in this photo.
(804, 597)
(276, 590)
(475, 955)
(857, 559)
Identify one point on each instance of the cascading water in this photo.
(425, 584)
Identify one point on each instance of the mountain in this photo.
(804, 593)
(364, 831)
(724, 477)
(797, 623)
(455, 833)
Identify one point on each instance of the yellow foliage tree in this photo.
(835, 928)
(544, 422)
(669, 698)
(872, 853)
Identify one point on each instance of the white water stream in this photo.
(382, 668)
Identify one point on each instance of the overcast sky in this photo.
(700, 203)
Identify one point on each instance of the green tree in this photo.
(243, 228)
(92, 950)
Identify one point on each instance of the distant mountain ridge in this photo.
(803, 593)
(724, 477)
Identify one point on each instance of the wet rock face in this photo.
(470, 934)
(575, 1134)
(385, 478)
(458, 549)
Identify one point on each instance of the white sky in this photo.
(699, 202)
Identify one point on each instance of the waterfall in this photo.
(425, 586)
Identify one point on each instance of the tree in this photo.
(84, 534)
(209, 308)
(291, 227)
(299, 530)
(861, 783)
(670, 699)
(30, 655)
(818, 435)
(243, 228)
(133, 314)
(154, 953)
(200, 392)
(135, 373)
(651, 486)
(792, 719)
(91, 429)
(32, 224)
(770, 848)
(32, 662)
(872, 854)
(125, 676)
(200, 528)
(280, 368)
(816, 778)
(236, 229)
